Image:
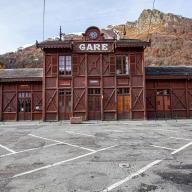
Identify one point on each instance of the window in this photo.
(94, 91)
(65, 65)
(122, 65)
(163, 92)
(122, 91)
(61, 65)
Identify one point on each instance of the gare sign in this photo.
(93, 47)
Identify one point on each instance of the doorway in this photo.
(65, 104)
(24, 106)
(163, 104)
(123, 99)
(94, 103)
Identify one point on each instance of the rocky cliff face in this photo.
(170, 35)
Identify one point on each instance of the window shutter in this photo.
(75, 64)
(132, 64)
(54, 64)
(112, 64)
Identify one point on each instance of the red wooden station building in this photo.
(96, 78)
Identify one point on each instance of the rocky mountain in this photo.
(170, 36)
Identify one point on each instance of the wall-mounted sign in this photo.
(93, 47)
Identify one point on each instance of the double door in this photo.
(94, 104)
(24, 106)
(163, 104)
(64, 104)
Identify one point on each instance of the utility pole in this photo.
(43, 20)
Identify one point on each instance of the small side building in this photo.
(21, 94)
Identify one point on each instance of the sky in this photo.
(21, 20)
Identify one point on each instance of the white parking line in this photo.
(61, 162)
(163, 147)
(75, 133)
(139, 172)
(181, 148)
(72, 145)
(117, 184)
(26, 150)
(10, 150)
(179, 138)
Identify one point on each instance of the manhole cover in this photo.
(124, 165)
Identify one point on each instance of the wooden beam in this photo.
(86, 87)
(101, 72)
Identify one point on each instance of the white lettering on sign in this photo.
(93, 47)
(82, 47)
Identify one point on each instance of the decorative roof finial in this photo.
(60, 33)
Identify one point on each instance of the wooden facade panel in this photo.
(1, 102)
(93, 65)
(105, 65)
(51, 65)
(94, 82)
(64, 82)
(37, 86)
(151, 100)
(189, 96)
(109, 101)
(9, 116)
(178, 84)
(179, 99)
(51, 101)
(160, 84)
(150, 84)
(108, 81)
(79, 82)
(51, 82)
(37, 101)
(9, 87)
(137, 99)
(123, 81)
(79, 102)
(78, 64)
(10, 102)
(137, 81)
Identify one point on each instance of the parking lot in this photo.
(117, 156)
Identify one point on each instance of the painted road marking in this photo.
(72, 145)
(179, 138)
(139, 172)
(142, 170)
(181, 148)
(10, 150)
(26, 150)
(75, 133)
(61, 162)
(163, 147)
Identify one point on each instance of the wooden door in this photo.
(94, 104)
(124, 103)
(123, 106)
(163, 105)
(64, 104)
(24, 106)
